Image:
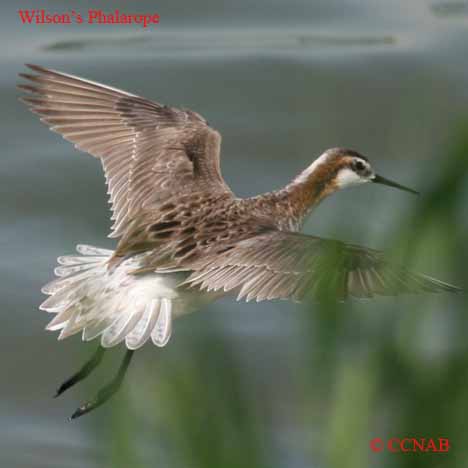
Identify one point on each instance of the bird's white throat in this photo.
(347, 178)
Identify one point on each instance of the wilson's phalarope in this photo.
(185, 238)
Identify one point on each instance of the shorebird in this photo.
(185, 239)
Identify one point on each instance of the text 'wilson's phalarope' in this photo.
(185, 238)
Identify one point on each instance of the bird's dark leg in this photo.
(106, 392)
(88, 367)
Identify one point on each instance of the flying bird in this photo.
(184, 238)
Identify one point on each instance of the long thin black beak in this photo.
(381, 180)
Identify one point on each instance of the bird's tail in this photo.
(71, 294)
(88, 298)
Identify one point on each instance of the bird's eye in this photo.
(359, 165)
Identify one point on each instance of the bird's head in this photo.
(339, 168)
(354, 169)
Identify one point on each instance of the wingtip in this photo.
(27, 76)
(450, 288)
(24, 100)
(437, 286)
(454, 289)
(34, 67)
(24, 87)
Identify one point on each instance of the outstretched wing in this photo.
(149, 151)
(281, 265)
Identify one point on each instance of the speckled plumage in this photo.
(182, 233)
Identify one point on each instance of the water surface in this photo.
(282, 81)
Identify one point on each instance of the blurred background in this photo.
(274, 384)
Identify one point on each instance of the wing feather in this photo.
(285, 265)
(149, 151)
